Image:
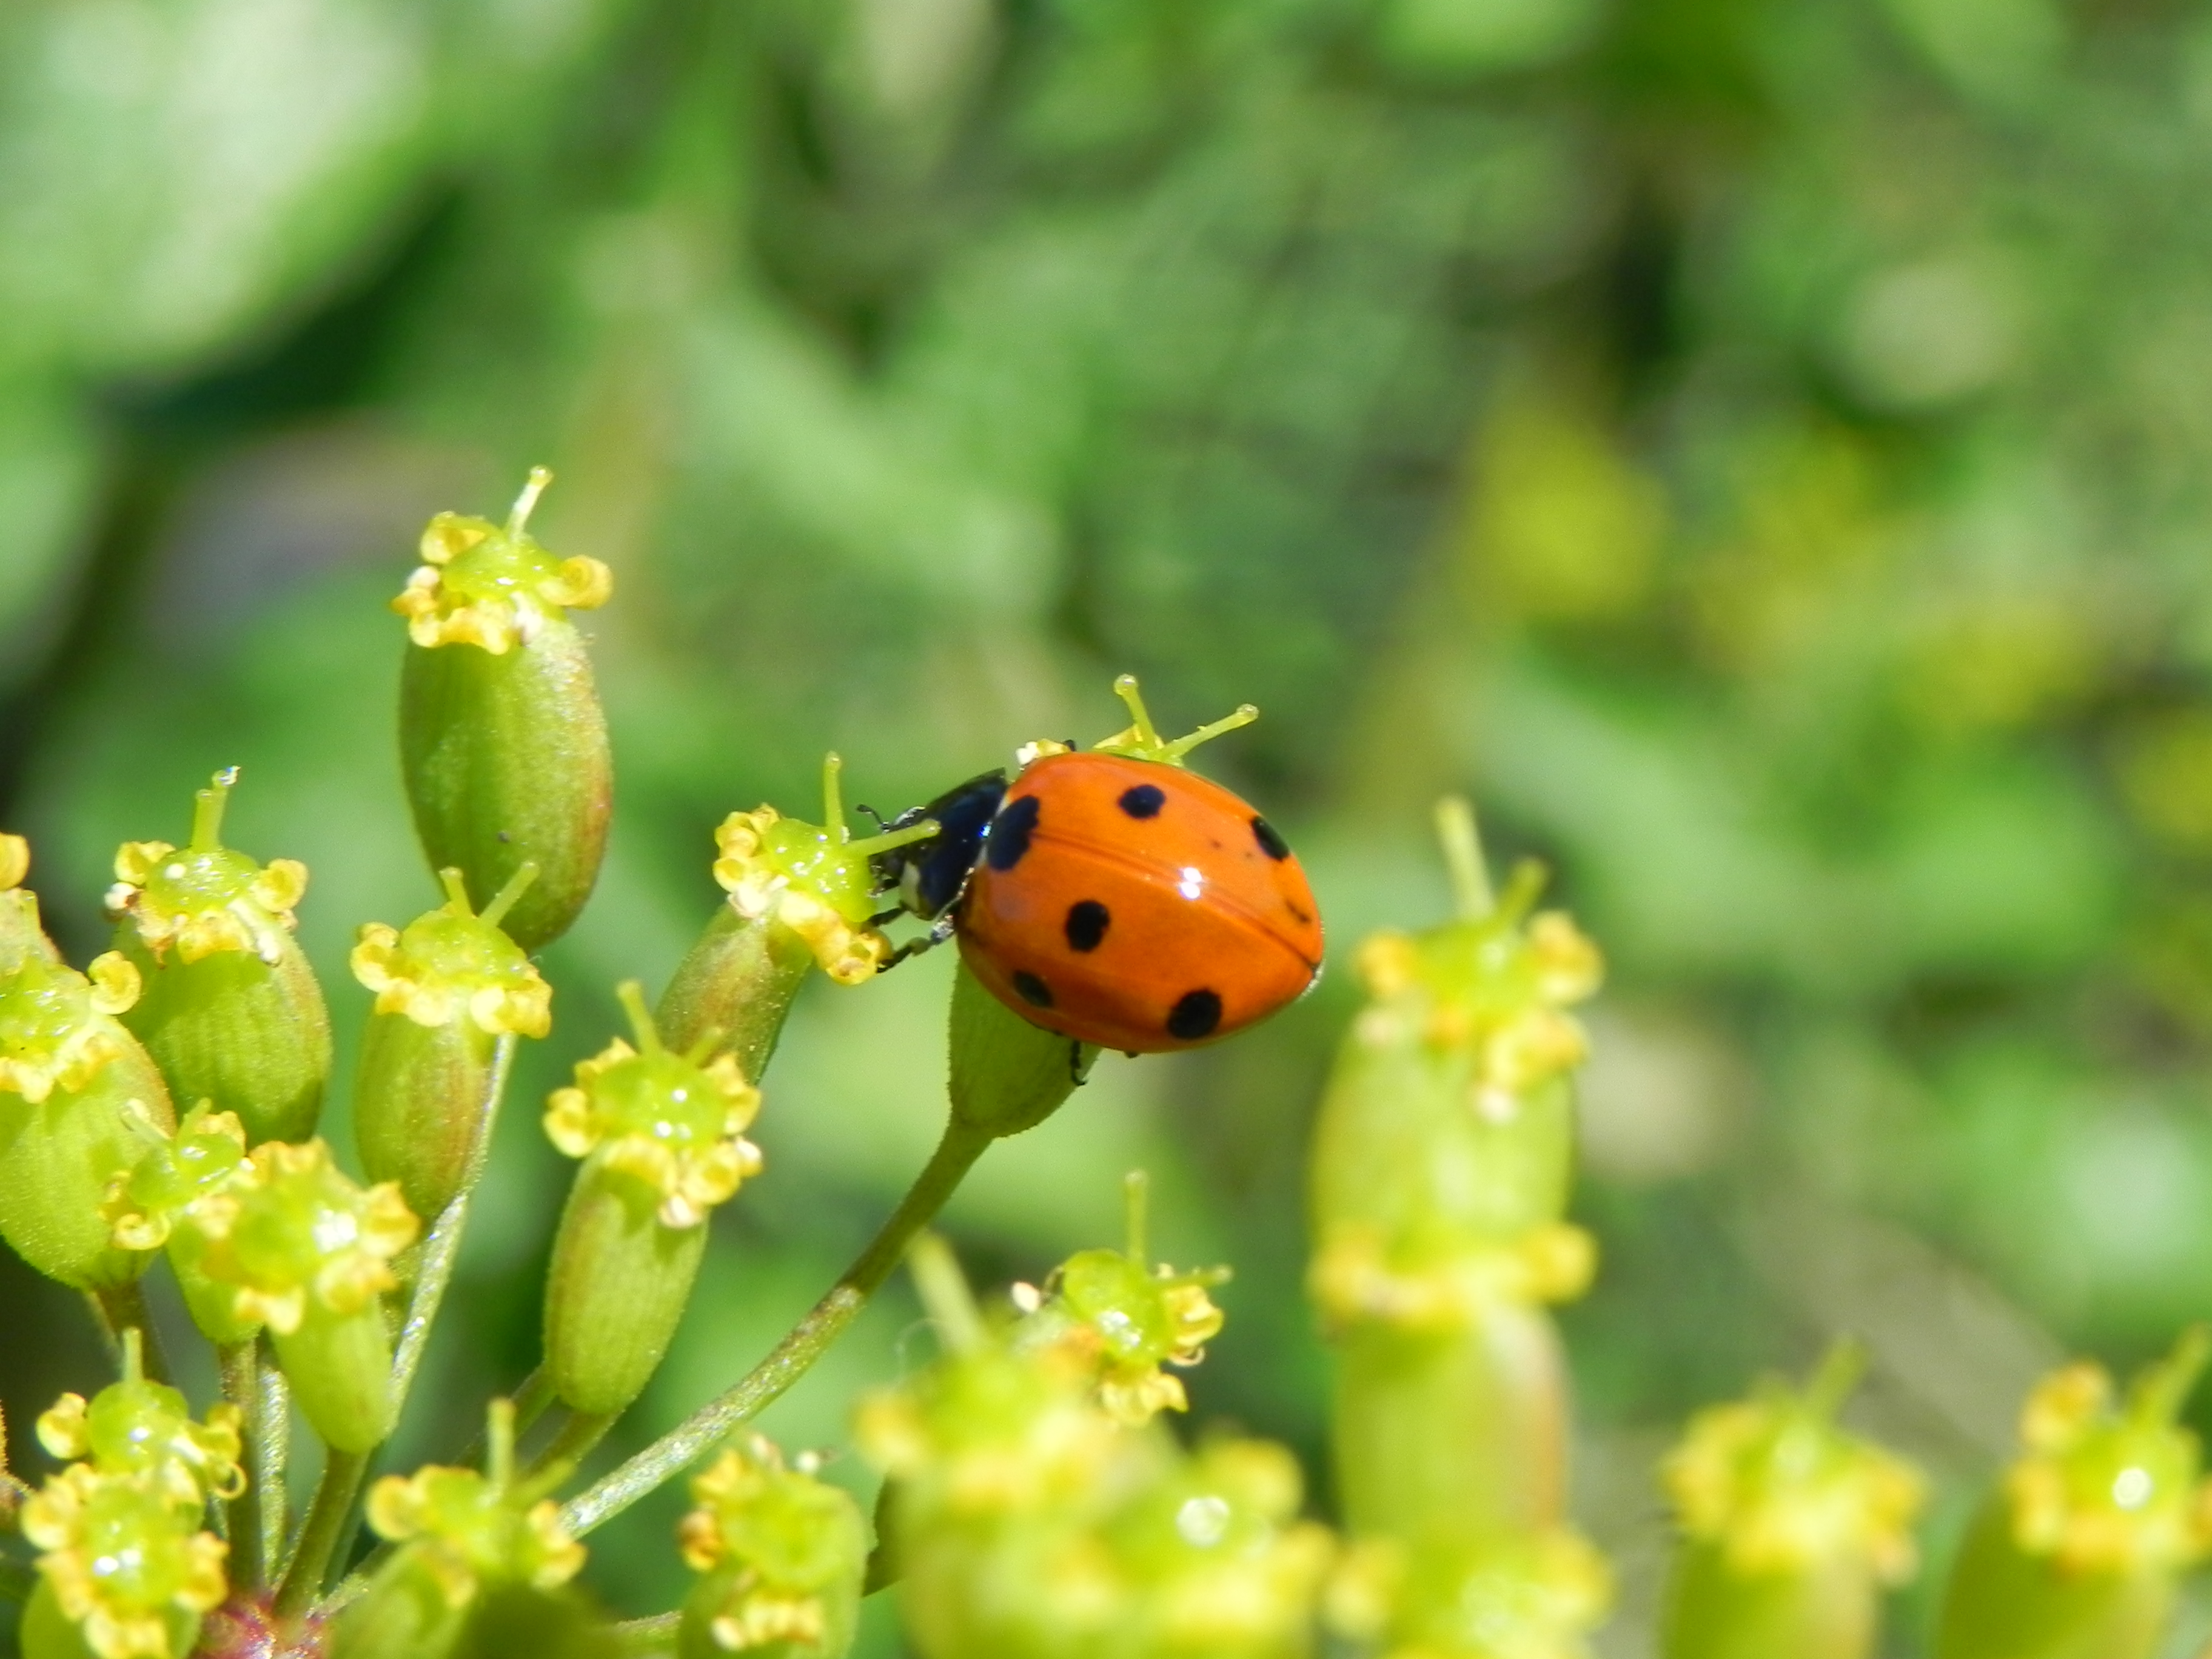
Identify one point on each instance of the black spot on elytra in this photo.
(1144, 800)
(1032, 989)
(1087, 922)
(1270, 843)
(1009, 833)
(1195, 1015)
(1305, 919)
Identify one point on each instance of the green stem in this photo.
(646, 1636)
(269, 1442)
(675, 1451)
(571, 1445)
(122, 1308)
(17, 1582)
(241, 1387)
(328, 1517)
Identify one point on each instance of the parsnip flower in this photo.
(1778, 1488)
(666, 1119)
(58, 1026)
(2100, 1488)
(783, 1553)
(1534, 1597)
(206, 898)
(1355, 1277)
(467, 1530)
(14, 860)
(144, 1429)
(1127, 1318)
(452, 964)
(485, 585)
(144, 1203)
(295, 1231)
(126, 1562)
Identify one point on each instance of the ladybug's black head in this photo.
(929, 876)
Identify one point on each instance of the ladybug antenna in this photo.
(1136, 1189)
(1142, 741)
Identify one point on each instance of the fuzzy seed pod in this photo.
(501, 738)
(800, 896)
(1007, 1075)
(307, 1252)
(660, 1135)
(77, 1092)
(462, 1534)
(1792, 1527)
(231, 1011)
(780, 1556)
(446, 990)
(2079, 1555)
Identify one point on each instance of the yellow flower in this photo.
(1353, 1277)
(672, 1123)
(14, 860)
(145, 1429)
(58, 1026)
(205, 897)
(1781, 1488)
(466, 1530)
(757, 866)
(294, 1228)
(126, 1562)
(451, 963)
(786, 1539)
(482, 585)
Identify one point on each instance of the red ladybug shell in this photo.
(1137, 906)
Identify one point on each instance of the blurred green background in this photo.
(1763, 451)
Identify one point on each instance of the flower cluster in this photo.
(145, 1203)
(451, 964)
(206, 898)
(466, 1529)
(2103, 1489)
(485, 585)
(782, 1553)
(293, 1233)
(122, 1551)
(1778, 1488)
(58, 1027)
(1501, 1597)
(806, 878)
(666, 1119)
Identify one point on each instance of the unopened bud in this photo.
(75, 1091)
(231, 1011)
(501, 738)
(447, 990)
(660, 1135)
(780, 1555)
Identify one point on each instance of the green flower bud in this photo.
(231, 1011)
(800, 894)
(2078, 1556)
(782, 1553)
(127, 1571)
(446, 989)
(75, 1088)
(21, 933)
(145, 1429)
(307, 1253)
(501, 738)
(1441, 1166)
(1127, 1318)
(460, 1534)
(1791, 1527)
(151, 1206)
(660, 1133)
(1502, 1597)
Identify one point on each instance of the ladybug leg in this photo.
(939, 931)
(1076, 1068)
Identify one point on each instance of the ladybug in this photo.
(1112, 896)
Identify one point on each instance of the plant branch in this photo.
(240, 1369)
(120, 1308)
(675, 1451)
(648, 1636)
(329, 1515)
